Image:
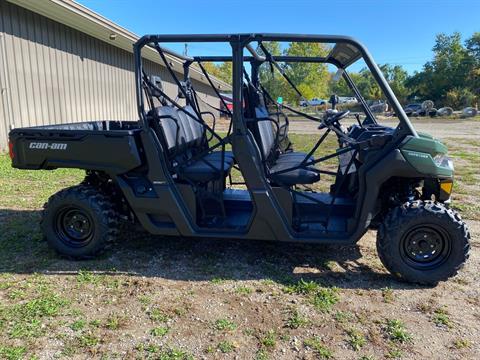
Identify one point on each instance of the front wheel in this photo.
(423, 242)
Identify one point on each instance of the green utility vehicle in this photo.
(174, 174)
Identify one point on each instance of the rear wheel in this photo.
(79, 221)
(423, 242)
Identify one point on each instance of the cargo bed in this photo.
(110, 146)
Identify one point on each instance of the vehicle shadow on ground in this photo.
(24, 251)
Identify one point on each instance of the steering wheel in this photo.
(333, 118)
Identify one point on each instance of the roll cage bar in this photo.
(346, 51)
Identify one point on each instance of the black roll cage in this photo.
(239, 42)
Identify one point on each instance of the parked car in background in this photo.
(227, 100)
(347, 100)
(313, 102)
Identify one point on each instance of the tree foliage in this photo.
(222, 71)
(311, 79)
(451, 78)
(270, 78)
(452, 74)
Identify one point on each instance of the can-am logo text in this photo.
(47, 146)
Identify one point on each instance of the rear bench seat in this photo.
(184, 138)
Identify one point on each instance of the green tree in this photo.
(222, 71)
(451, 68)
(368, 87)
(458, 98)
(473, 48)
(272, 81)
(312, 79)
(396, 77)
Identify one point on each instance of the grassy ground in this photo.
(165, 298)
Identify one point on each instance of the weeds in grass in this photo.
(95, 323)
(268, 282)
(425, 307)
(387, 294)
(322, 351)
(114, 322)
(4, 285)
(356, 339)
(366, 357)
(159, 331)
(325, 298)
(394, 353)
(25, 320)
(270, 339)
(396, 331)
(343, 316)
(12, 352)
(151, 348)
(87, 277)
(158, 315)
(145, 300)
(218, 281)
(180, 311)
(17, 294)
(462, 343)
(296, 320)
(69, 348)
(261, 355)
(248, 331)
(224, 325)
(173, 354)
(302, 287)
(88, 340)
(322, 298)
(225, 346)
(440, 317)
(78, 325)
(243, 290)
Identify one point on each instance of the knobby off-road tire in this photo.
(104, 185)
(423, 242)
(79, 222)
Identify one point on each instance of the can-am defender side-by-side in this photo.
(171, 171)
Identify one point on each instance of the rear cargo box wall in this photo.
(51, 74)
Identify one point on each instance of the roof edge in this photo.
(81, 18)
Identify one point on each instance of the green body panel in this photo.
(420, 151)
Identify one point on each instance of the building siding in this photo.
(51, 74)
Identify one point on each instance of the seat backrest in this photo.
(262, 130)
(194, 129)
(172, 130)
(265, 132)
(182, 134)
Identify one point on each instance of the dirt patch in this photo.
(232, 299)
(437, 127)
(173, 298)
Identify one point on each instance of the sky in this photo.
(395, 31)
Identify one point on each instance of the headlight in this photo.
(443, 161)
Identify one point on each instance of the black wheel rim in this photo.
(74, 226)
(425, 247)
